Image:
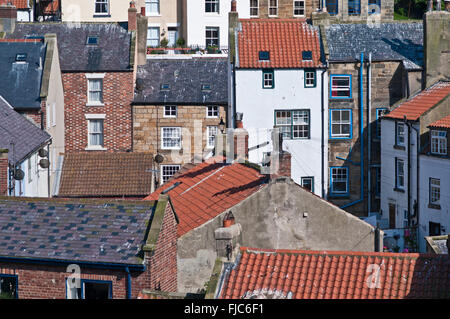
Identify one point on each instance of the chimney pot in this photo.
(233, 6)
(143, 11)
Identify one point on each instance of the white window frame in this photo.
(296, 2)
(212, 109)
(338, 87)
(435, 191)
(211, 136)
(169, 111)
(254, 8)
(148, 5)
(213, 3)
(212, 29)
(341, 122)
(400, 173)
(399, 133)
(438, 142)
(158, 39)
(95, 117)
(309, 78)
(339, 180)
(171, 166)
(171, 128)
(95, 77)
(268, 77)
(101, 2)
(270, 6)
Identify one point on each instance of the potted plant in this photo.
(212, 49)
(180, 42)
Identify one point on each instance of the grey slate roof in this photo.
(91, 231)
(185, 77)
(20, 83)
(15, 128)
(111, 54)
(389, 42)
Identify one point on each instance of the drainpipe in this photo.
(369, 141)
(409, 170)
(127, 270)
(48, 169)
(323, 136)
(361, 133)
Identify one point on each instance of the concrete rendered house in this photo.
(281, 82)
(410, 193)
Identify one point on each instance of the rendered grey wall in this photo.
(273, 218)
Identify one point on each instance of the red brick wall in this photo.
(118, 91)
(163, 262)
(43, 281)
(3, 173)
(49, 282)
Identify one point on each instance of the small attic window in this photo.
(307, 55)
(92, 40)
(165, 87)
(206, 87)
(264, 56)
(21, 57)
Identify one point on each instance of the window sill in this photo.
(171, 149)
(153, 15)
(340, 138)
(93, 148)
(339, 196)
(434, 206)
(100, 15)
(399, 147)
(399, 190)
(342, 98)
(94, 104)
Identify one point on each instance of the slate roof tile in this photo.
(111, 54)
(395, 41)
(185, 78)
(15, 128)
(263, 273)
(52, 239)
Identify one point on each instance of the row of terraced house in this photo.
(139, 139)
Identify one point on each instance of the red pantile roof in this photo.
(99, 174)
(337, 275)
(422, 102)
(443, 122)
(19, 4)
(208, 189)
(285, 39)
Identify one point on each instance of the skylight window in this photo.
(307, 55)
(165, 87)
(264, 56)
(21, 57)
(92, 40)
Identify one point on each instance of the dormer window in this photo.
(21, 57)
(91, 40)
(165, 87)
(264, 56)
(206, 87)
(307, 55)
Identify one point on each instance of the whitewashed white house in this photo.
(282, 83)
(434, 175)
(206, 21)
(404, 138)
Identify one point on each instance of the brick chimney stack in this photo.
(3, 172)
(8, 17)
(132, 17)
(280, 161)
(240, 140)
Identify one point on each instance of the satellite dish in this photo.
(43, 152)
(19, 174)
(44, 163)
(159, 158)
